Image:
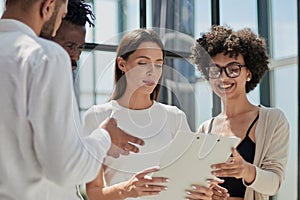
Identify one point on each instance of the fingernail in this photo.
(155, 167)
(188, 193)
(165, 188)
(167, 180)
(194, 187)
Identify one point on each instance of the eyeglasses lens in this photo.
(232, 70)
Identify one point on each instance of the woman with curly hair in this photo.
(234, 63)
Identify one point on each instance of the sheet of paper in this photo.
(188, 159)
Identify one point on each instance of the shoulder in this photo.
(26, 44)
(51, 49)
(271, 113)
(102, 110)
(273, 120)
(40, 46)
(204, 126)
(45, 55)
(95, 115)
(98, 112)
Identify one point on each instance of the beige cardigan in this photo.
(271, 153)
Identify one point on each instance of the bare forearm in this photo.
(115, 192)
(250, 174)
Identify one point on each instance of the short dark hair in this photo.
(79, 13)
(224, 40)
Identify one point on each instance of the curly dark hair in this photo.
(224, 39)
(80, 13)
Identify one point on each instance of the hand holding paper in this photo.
(188, 161)
(236, 167)
(141, 184)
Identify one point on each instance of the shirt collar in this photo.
(15, 25)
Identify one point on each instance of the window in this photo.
(284, 87)
(2, 7)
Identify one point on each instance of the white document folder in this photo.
(188, 161)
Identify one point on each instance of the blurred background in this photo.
(179, 23)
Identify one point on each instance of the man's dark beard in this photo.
(48, 27)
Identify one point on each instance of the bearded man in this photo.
(42, 155)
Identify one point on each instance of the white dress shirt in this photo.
(42, 155)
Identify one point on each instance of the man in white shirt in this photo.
(40, 147)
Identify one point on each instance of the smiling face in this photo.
(143, 68)
(72, 38)
(226, 87)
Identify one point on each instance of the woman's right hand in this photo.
(220, 193)
(199, 192)
(213, 192)
(141, 184)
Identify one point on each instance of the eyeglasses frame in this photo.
(223, 68)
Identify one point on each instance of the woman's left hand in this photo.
(236, 167)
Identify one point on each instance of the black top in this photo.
(246, 149)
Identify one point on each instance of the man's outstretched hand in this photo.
(122, 142)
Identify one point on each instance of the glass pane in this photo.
(174, 21)
(202, 16)
(96, 78)
(253, 96)
(149, 13)
(284, 25)
(178, 79)
(204, 101)
(105, 63)
(239, 14)
(200, 9)
(286, 98)
(176, 41)
(203, 91)
(2, 6)
(284, 44)
(86, 80)
(113, 17)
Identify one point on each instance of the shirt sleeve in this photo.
(92, 119)
(270, 174)
(182, 122)
(203, 128)
(65, 157)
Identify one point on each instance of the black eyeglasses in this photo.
(232, 70)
